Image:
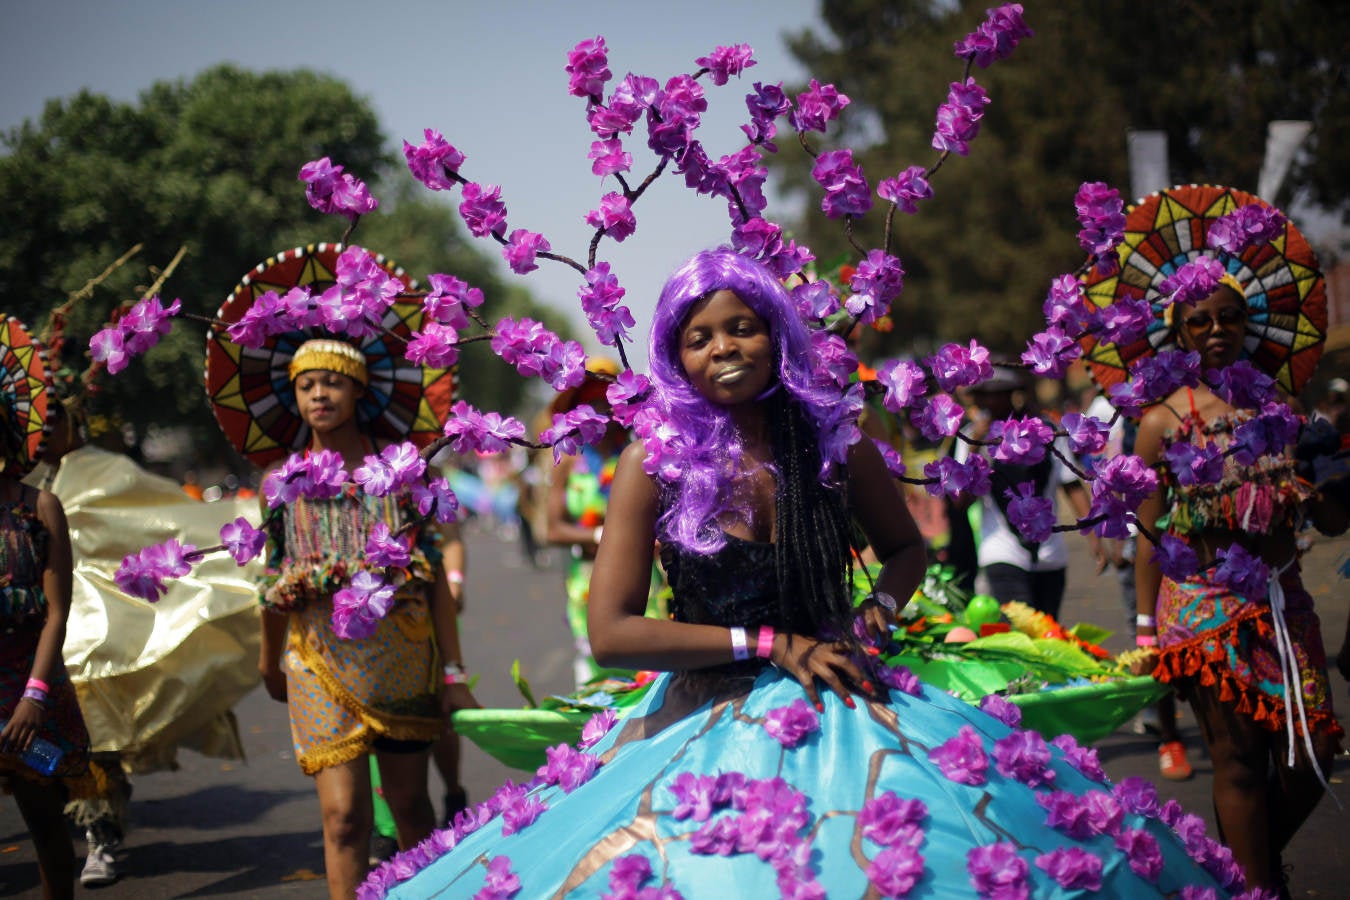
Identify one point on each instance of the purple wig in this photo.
(699, 448)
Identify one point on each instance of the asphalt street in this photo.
(251, 829)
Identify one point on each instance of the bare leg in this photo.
(1240, 751)
(1343, 658)
(1295, 793)
(41, 806)
(344, 801)
(446, 753)
(404, 777)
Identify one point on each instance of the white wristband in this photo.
(739, 648)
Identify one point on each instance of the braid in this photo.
(812, 554)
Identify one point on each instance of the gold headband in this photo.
(329, 356)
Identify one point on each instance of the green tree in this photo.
(210, 163)
(980, 253)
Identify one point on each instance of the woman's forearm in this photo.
(273, 638)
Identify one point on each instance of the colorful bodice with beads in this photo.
(24, 548)
(1254, 499)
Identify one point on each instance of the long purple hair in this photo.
(705, 441)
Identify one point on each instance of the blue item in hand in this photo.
(41, 756)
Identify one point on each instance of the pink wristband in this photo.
(739, 648)
(1146, 640)
(764, 646)
(39, 684)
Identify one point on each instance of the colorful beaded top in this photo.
(24, 549)
(315, 546)
(1252, 498)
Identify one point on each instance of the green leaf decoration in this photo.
(522, 685)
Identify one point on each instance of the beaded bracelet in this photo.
(739, 649)
(37, 696)
(454, 576)
(1146, 640)
(1143, 620)
(764, 646)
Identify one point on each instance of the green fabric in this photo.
(384, 816)
(519, 737)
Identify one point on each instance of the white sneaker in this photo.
(99, 866)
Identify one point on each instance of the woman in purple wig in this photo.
(737, 775)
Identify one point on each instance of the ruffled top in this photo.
(316, 546)
(24, 548)
(1254, 499)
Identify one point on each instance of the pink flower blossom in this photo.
(1001, 708)
(952, 477)
(1024, 755)
(242, 540)
(958, 119)
(997, 872)
(521, 249)
(895, 870)
(997, 36)
(600, 301)
(433, 162)
(627, 395)
(142, 574)
(1101, 212)
(694, 796)
(435, 496)
(573, 430)
(568, 767)
(846, 189)
(1143, 852)
(1245, 227)
(889, 820)
(1084, 759)
(609, 157)
(588, 69)
(596, 728)
(447, 300)
(962, 758)
(386, 550)
(790, 724)
(1073, 868)
(146, 322)
(906, 189)
(435, 346)
(108, 347)
(817, 106)
(724, 62)
(358, 608)
(500, 882)
(937, 418)
(483, 210)
(614, 216)
(900, 678)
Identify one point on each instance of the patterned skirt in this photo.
(1210, 636)
(344, 694)
(63, 726)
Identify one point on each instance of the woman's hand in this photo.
(807, 659)
(878, 620)
(22, 727)
(274, 679)
(1145, 664)
(457, 696)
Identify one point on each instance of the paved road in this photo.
(251, 830)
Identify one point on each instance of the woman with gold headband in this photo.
(349, 698)
(1269, 735)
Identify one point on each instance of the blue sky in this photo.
(489, 75)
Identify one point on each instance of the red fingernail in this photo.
(873, 651)
(867, 686)
(820, 707)
(848, 701)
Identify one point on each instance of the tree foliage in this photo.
(210, 163)
(980, 253)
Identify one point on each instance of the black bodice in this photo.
(737, 585)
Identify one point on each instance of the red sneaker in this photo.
(1172, 763)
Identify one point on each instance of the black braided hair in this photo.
(812, 553)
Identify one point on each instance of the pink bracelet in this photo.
(40, 685)
(739, 649)
(764, 647)
(1146, 640)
